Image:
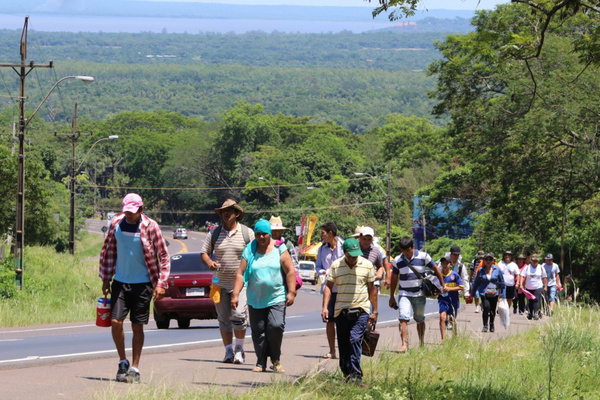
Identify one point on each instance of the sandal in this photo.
(278, 369)
(258, 368)
(329, 356)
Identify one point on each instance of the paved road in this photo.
(196, 364)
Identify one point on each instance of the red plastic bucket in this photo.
(103, 312)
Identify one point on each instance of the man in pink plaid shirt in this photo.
(135, 258)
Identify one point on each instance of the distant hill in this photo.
(124, 8)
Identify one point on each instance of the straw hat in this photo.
(276, 223)
(357, 231)
(229, 203)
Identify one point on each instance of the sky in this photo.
(430, 4)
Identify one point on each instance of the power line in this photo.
(222, 187)
(271, 209)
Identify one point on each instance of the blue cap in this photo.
(262, 226)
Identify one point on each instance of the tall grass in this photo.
(556, 360)
(57, 287)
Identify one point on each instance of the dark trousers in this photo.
(350, 334)
(489, 309)
(521, 300)
(534, 305)
(268, 325)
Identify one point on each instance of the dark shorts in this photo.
(331, 307)
(510, 292)
(134, 297)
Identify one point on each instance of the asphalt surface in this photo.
(198, 366)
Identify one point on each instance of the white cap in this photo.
(367, 231)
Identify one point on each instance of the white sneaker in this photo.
(239, 357)
(477, 309)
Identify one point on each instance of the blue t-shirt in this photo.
(131, 264)
(452, 280)
(265, 280)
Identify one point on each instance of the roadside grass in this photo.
(57, 287)
(556, 360)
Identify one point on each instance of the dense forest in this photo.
(510, 128)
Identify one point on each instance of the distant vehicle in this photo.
(308, 271)
(109, 217)
(180, 233)
(188, 295)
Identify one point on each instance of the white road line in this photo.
(58, 356)
(10, 340)
(48, 329)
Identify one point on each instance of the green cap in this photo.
(352, 247)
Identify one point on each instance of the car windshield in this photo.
(306, 266)
(181, 263)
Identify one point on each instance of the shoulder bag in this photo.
(428, 287)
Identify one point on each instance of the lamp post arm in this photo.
(90, 149)
(83, 78)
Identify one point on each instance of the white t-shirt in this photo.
(534, 277)
(551, 271)
(509, 272)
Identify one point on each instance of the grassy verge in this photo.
(557, 360)
(57, 287)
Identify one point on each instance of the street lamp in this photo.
(388, 232)
(260, 178)
(320, 191)
(23, 122)
(74, 136)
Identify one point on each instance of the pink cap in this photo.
(132, 202)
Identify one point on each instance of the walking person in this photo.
(519, 304)
(489, 283)
(228, 241)
(354, 277)
(277, 229)
(553, 280)
(330, 250)
(411, 300)
(372, 253)
(510, 271)
(449, 302)
(475, 265)
(268, 272)
(460, 268)
(534, 279)
(135, 258)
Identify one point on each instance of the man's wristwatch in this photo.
(376, 313)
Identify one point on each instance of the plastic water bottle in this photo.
(216, 273)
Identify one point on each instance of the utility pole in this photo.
(388, 233)
(22, 69)
(74, 135)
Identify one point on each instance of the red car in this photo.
(188, 295)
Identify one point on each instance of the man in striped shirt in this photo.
(230, 240)
(411, 300)
(356, 295)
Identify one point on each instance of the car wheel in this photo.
(162, 324)
(183, 323)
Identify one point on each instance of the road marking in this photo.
(184, 249)
(10, 340)
(48, 329)
(90, 353)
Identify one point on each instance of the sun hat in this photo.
(229, 203)
(357, 231)
(276, 223)
(454, 249)
(352, 247)
(549, 256)
(489, 255)
(132, 202)
(535, 257)
(480, 254)
(521, 255)
(262, 226)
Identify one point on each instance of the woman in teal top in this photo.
(263, 269)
